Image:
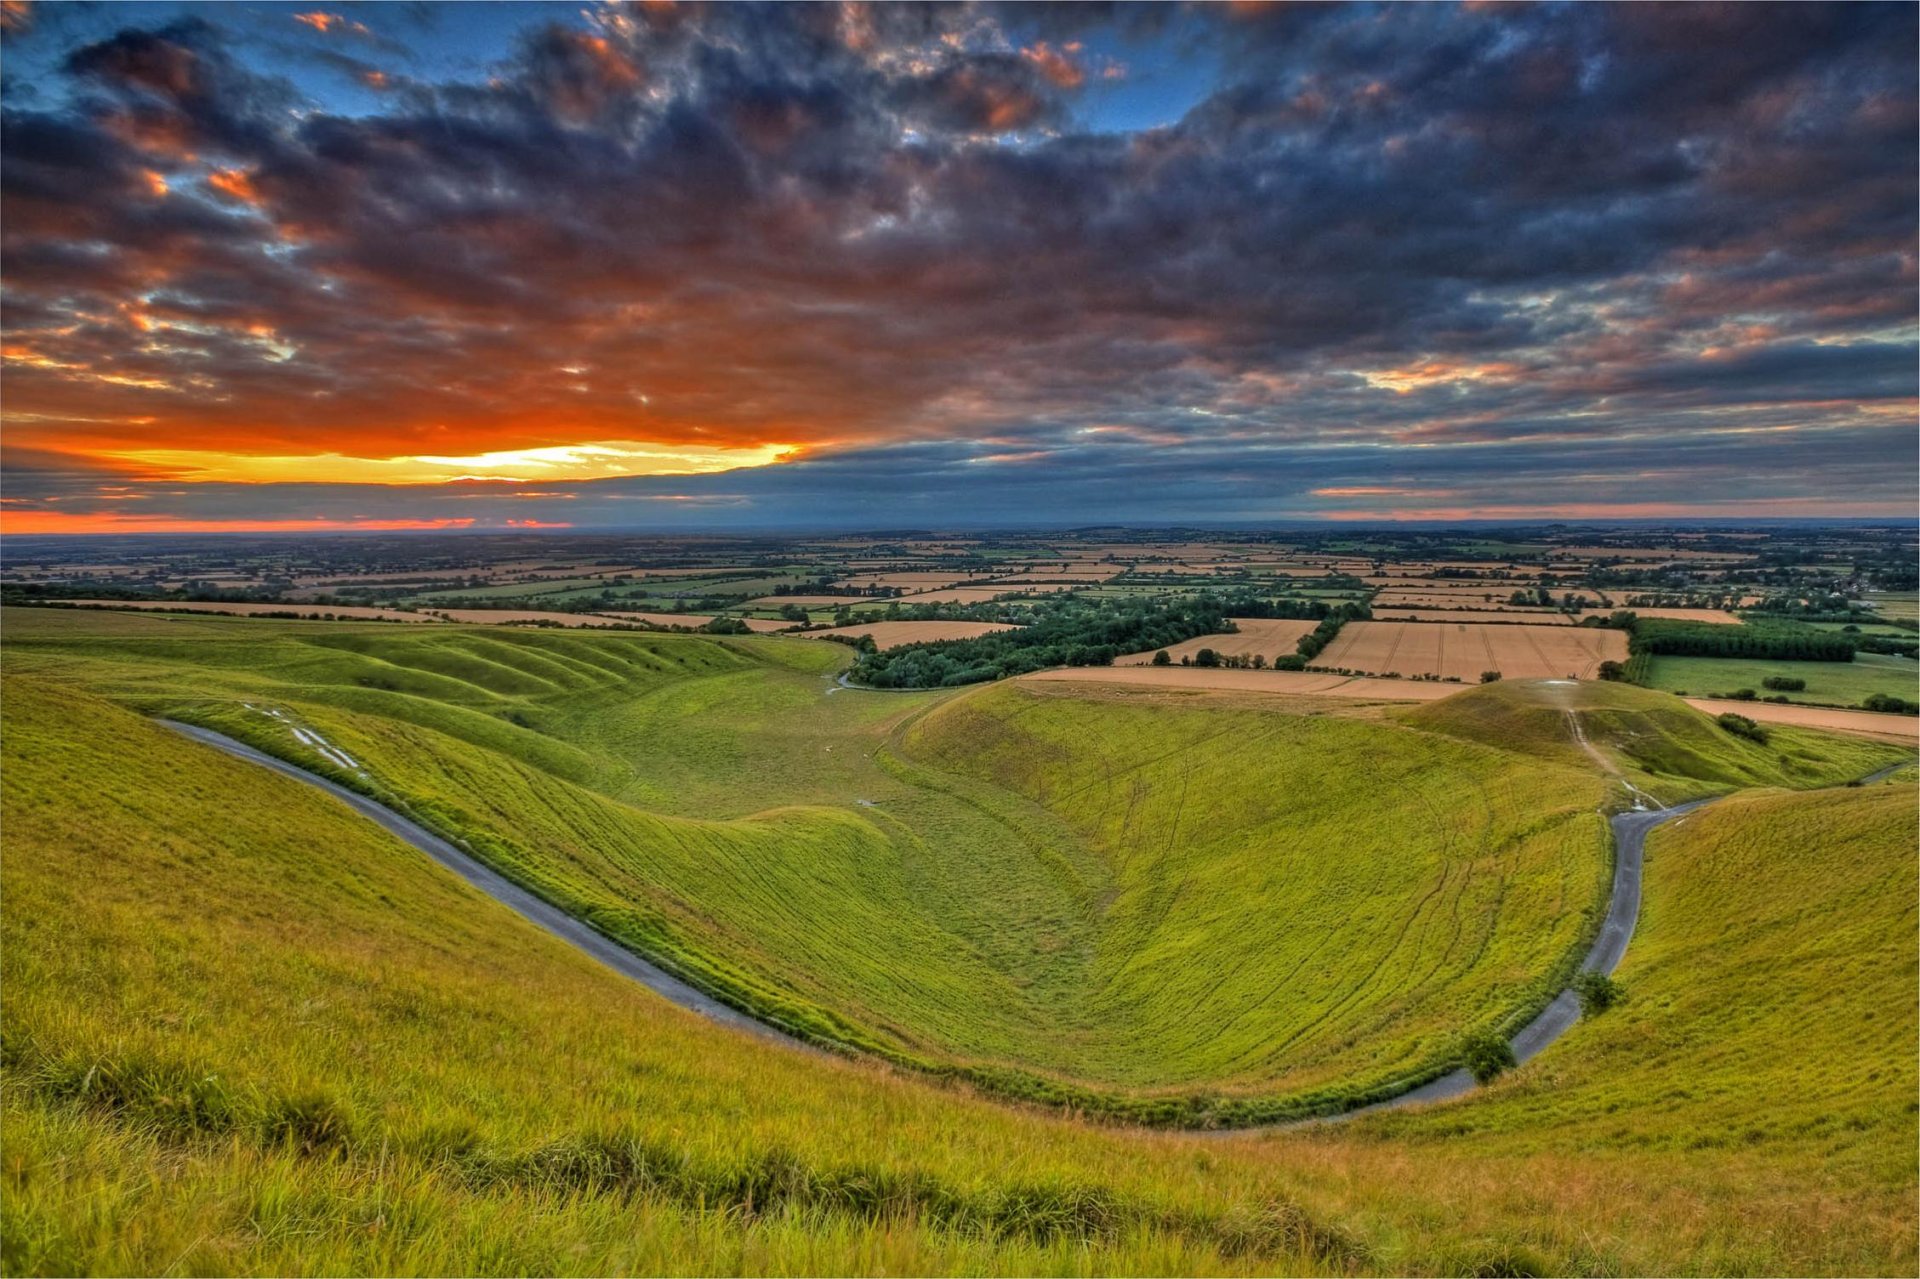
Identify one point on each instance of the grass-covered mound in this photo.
(1660, 743)
(247, 1032)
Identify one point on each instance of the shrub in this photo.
(1487, 1055)
(1598, 992)
(1489, 677)
(1206, 657)
(1895, 705)
(1783, 683)
(1290, 662)
(1161, 658)
(1613, 671)
(1741, 726)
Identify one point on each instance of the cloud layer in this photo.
(1411, 260)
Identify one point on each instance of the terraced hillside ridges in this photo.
(713, 804)
(987, 883)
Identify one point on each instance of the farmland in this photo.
(887, 635)
(1266, 638)
(1463, 650)
(1827, 683)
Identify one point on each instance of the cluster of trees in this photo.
(1068, 632)
(1314, 641)
(1666, 637)
(1891, 704)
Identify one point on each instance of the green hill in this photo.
(1660, 743)
(988, 884)
(247, 1032)
(1173, 911)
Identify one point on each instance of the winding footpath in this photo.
(1630, 831)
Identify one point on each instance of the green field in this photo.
(1828, 683)
(1162, 909)
(717, 806)
(246, 1033)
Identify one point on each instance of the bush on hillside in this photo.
(1489, 677)
(1487, 1055)
(1783, 683)
(1741, 726)
(1598, 992)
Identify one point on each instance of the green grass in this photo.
(246, 1032)
(1227, 874)
(1655, 742)
(1769, 1016)
(1828, 683)
(714, 805)
(1161, 909)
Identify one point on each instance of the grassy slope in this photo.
(1658, 742)
(1246, 926)
(245, 1032)
(702, 800)
(1770, 1017)
(1828, 683)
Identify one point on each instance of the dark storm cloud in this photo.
(888, 233)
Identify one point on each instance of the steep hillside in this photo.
(1659, 742)
(1147, 910)
(247, 1032)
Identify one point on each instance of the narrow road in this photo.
(1623, 910)
(506, 892)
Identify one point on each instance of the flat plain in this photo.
(1462, 650)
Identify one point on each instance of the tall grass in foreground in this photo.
(245, 1031)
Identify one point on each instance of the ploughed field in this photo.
(1267, 637)
(1462, 650)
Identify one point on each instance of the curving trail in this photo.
(509, 894)
(1623, 910)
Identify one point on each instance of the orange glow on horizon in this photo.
(592, 460)
(21, 522)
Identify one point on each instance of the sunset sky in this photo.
(657, 265)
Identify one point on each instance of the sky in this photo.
(662, 265)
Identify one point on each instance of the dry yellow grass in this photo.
(1895, 728)
(1268, 637)
(894, 634)
(1463, 650)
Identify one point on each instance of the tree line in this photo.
(1069, 632)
